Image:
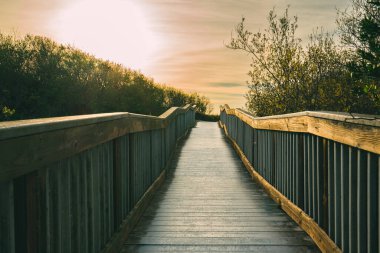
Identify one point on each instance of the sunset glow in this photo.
(179, 43)
(116, 30)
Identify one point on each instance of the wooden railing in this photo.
(78, 184)
(321, 167)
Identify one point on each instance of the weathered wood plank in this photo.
(138, 122)
(214, 248)
(210, 200)
(85, 218)
(146, 240)
(117, 178)
(133, 217)
(64, 207)
(30, 144)
(305, 221)
(32, 212)
(74, 203)
(43, 211)
(67, 179)
(363, 132)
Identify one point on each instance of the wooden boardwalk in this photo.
(209, 203)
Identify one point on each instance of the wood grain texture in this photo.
(133, 217)
(362, 132)
(30, 144)
(124, 229)
(318, 235)
(209, 203)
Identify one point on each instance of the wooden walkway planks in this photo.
(210, 204)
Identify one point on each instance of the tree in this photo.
(275, 61)
(359, 29)
(286, 76)
(41, 78)
(289, 76)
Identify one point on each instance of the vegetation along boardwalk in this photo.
(210, 204)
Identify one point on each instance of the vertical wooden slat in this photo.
(344, 175)
(102, 195)
(43, 211)
(362, 201)
(84, 205)
(273, 157)
(313, 178)
(279, 154)
(31, 212)
(331, 196)
(340, 184)
(54, 217)
(117, 186)
(325, 197)
(301, 171)
(373, 199)
(283, 166)
(306, 175)
(286, 158)
(110, 192)
(90, 201)
(316, 179)
(126, 176)
(309, 177)
(163, 149)
(337, 194)
(294, 167)
(75, 205)
(7, 222)
(352, 199)
(64, 211)
(320, 180)
(106, 197)
(132, 169)
(20, 214)
(95, 191)
(288, 166)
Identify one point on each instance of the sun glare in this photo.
(116, 30)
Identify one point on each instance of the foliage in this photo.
(288, 77)
(7, 112)
(359, 30)
(207, 117)
(41, 78)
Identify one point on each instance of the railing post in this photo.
(325, 208)
(26, 213)
(117, 183)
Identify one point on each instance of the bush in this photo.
(41, 78)
(287, 77)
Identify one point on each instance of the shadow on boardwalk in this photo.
(210, 204)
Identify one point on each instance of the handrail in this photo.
(322, 168)
(72, 134)
(79, 183)
(356, 130)
(13, 129)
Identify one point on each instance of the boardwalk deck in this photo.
(210, 204)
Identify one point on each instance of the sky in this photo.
(180, 43)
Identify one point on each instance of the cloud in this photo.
(224, 85)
